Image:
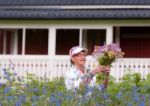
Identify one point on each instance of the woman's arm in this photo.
(106, 72)
(89, 76)
(101, 69)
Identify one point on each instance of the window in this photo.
(135, 41)
(19, 41)
(36, 41)
(1, 41)
(65, 39)
(92, 37)
(9, 41)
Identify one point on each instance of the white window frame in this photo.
(52, 33)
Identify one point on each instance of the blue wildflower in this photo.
(97, 104)
(34, 98)
(88, 91)
(34, 90)
(119, 95)
(15, 74)
(68, 98)
(5, 73)
(7, 89)
(22, 98)
(18, 103)
(134, 89)
(129, 104)
(26, 85)
(101, 87)
(7, 77)
(59, 94)
(10, 98)
(52, 98)
(4, 69)
(33, 104)
(105, 96)
(135, 97)
(143, 97)
(1, 84)
(142, 103)
(19, 78)
(58, 102)
(44, 92)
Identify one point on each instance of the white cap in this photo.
(76, 49)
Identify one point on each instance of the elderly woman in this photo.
(78, 74)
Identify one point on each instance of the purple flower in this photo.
(101, 87)
(15, 74)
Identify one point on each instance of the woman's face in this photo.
(80, 58)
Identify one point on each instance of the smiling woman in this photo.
(78, 74)
(77, 55)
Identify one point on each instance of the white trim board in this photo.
(80, 7)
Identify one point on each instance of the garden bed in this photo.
(132, 90)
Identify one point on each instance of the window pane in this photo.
(9, 37)
(92, 37)
(36, 41)
(9, 42)
(1, 41)
(19, 41)
(135, 41)
(65, 39)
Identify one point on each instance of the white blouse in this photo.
(74, 77)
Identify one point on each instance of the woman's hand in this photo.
(107, 69)
(98, 69)
(101, 68)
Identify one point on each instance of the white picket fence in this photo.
(50, 67)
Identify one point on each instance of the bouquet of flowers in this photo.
(106, 54)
